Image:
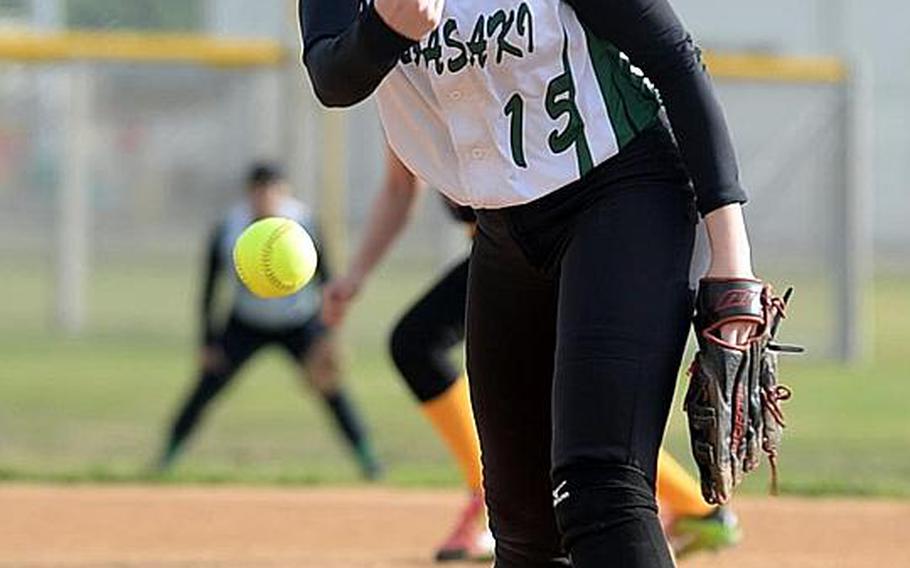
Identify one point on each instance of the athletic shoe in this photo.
(372, 471)
(165, 462)
(371, 468)
(717, 530)
(469, 540)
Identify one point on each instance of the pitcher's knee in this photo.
(601, 500)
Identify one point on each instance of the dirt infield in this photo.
(160, 527)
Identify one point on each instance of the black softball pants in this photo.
(578, 312)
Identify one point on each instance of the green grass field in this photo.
(94, 407)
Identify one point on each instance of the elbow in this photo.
(334, 93)
(330, 100)
(335, 98)
(332, 88)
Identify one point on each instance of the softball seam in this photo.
(265, 258)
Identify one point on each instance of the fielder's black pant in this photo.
(423, 337)
(578, 311)
(238, 343)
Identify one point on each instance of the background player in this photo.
(291, 323)
(420, 347)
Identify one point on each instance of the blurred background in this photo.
(126, 127)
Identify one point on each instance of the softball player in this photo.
(292, 323)
(543, 116)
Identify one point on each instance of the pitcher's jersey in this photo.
(509, 100)
(270, 314)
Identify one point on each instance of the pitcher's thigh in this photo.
(510, 347)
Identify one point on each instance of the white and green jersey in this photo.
(509, 100)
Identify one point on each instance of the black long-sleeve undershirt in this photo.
(348, 51)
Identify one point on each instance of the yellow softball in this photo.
(275, 257)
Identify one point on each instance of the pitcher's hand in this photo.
(735, 332)
(336, 299)
(413, 19)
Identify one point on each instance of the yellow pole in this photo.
(139, 48)
(333, 193)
